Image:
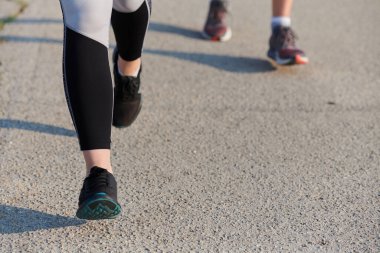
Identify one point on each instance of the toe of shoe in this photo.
(97, 209)
(126, 112)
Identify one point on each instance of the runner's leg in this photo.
(88, 88)
(87, 79)
(281, 8)
(130, 20)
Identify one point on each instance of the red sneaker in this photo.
(216, 28)
(282, 47)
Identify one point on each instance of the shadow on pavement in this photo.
(26, 39)
(225, 62)
(37, 21)
(153, 26)
(166, 28)
(15, 220)
(36, 127)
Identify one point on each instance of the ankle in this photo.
(99, 157)
(129, 68)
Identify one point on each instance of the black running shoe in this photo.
(127, 99)
(98, 197)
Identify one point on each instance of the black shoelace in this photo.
(128, 87)
(95, 181)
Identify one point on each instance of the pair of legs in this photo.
(87, 79)
(282, 42)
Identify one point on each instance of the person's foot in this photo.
(127, 99)
(282, 48)
(98, 197)
(216, 28)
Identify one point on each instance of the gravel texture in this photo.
(229, 154)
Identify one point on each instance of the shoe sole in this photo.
(227, 36)
(99, 207)
(132, 119)
(296, 60)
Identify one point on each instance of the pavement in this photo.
(230, 152)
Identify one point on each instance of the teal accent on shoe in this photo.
(99, 206)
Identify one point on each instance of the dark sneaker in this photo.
(127, 99)
(216, 28)
(282, 47)
(98, 197)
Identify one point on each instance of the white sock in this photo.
(280, 21)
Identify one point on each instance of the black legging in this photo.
(87, 78)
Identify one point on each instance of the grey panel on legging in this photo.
(91, 18)
(127, 6)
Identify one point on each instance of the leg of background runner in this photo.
(130, 20)
(87, 79)
(281, 8)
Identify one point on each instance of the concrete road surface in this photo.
(230, 152)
